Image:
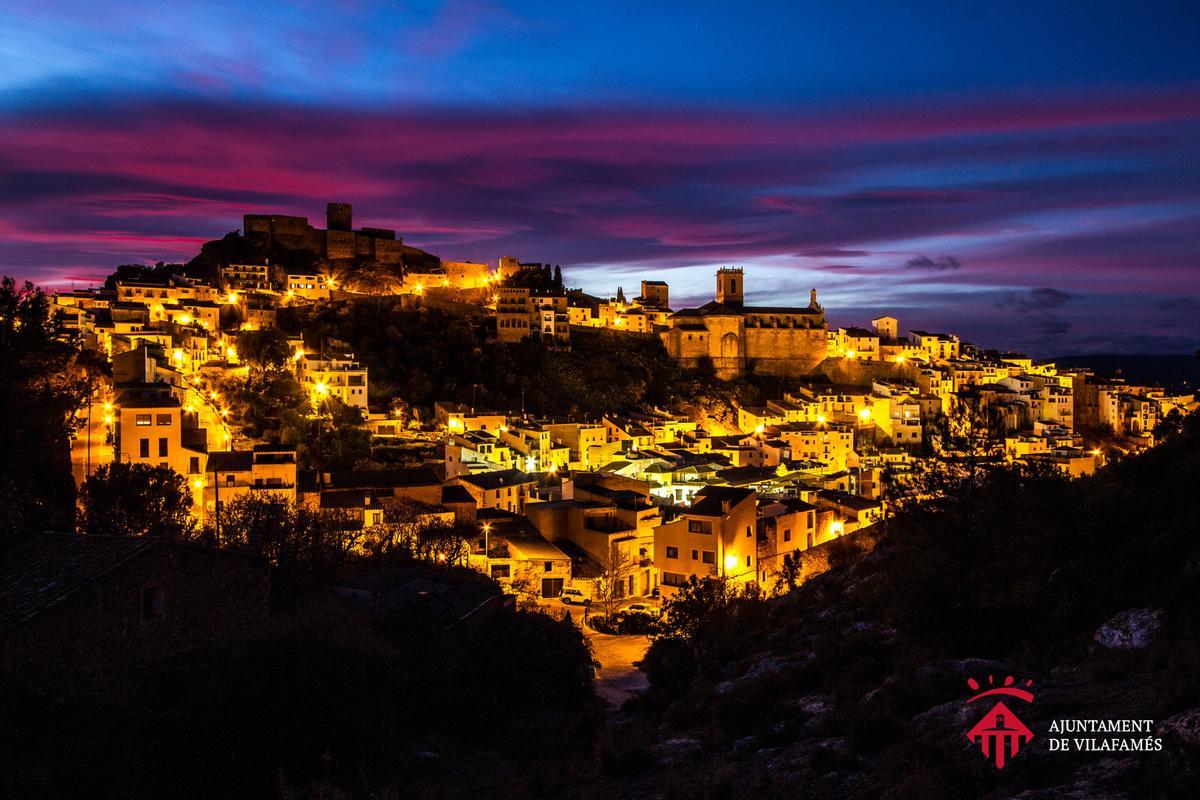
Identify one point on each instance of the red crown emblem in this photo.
(1000, 734)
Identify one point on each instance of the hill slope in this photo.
(854, 685)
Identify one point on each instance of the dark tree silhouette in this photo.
(135, 500)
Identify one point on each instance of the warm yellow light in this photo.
(455, 424)
(760, 428)
(213, 395)
(232, 298)
(299, 354)
(108, 420)
(731, 562)
(864, 414)
(329, 282)
(197, 484)
(177, 355)
(620, 322)
(504, 429)
(530, 464)
(420, 289)
(321, 388)
(189, 408)
(184, 319)
(553, 468)
(290, 293)
(1096, 452)
(836, 529)
(108, 406)
(224, 412)
(231, 353)
(487, 527)
(820, 419)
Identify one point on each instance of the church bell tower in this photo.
(730, 286)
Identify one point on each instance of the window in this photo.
(162, 419)
(747, 561)
(672, 552)
(695, 555)
(143, 420)
(501, 571)
(143, 448)
(673, 579)
(548, 566)
(193, 465)
(787, 534)
(708, 557)
(747, 531)
(162, 448)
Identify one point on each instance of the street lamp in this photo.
(487, 562)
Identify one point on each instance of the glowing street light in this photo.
(321, 388)
(731, 562)
(864, 414)
(820, 419)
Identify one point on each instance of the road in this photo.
(617, 679)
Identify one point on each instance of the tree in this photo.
(609, 586)
(126, 499)
(266, 349)
(295, 539)
(44, 381)
(339, 438)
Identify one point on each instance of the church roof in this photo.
(715, 309)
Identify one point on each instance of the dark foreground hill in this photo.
(854, 685)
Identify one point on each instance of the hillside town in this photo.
(631, 505)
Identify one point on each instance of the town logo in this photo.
(1000, 734)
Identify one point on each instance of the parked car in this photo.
(642, 608)
(575, 597)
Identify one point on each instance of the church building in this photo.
(740, 339)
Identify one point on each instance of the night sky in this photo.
(1025, 174)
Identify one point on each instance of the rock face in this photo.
(1134, 629)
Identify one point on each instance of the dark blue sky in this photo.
(1023, 173)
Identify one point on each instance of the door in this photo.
(552, 587)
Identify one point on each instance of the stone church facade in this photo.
(740, 339)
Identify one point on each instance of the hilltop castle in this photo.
(338, 241)
(739, 339)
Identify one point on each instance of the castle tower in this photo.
(730, 286)
(812, 300)
(338, 217)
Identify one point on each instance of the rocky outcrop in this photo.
(1134, 629)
